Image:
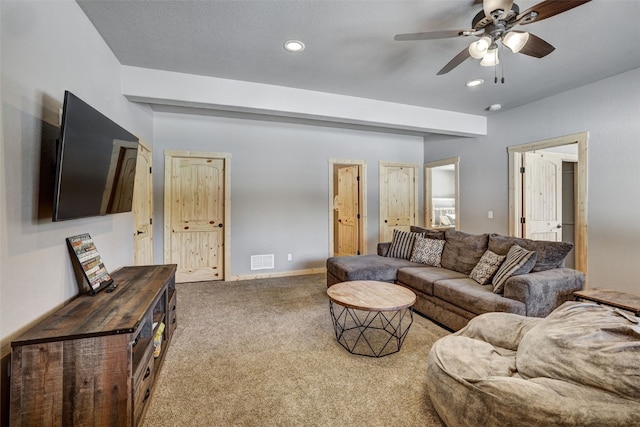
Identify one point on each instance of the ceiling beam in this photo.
(156, 87)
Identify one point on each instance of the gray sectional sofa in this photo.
(447, 293)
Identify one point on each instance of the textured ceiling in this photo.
(350, 48)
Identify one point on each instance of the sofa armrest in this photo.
(383, 248)
(543, 291)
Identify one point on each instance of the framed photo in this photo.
(87, 259)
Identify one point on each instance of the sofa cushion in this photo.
(518, 261)
(428, 232)
(427, 251)
(402, 244)
(485, 269)
(367, 267)
(462, 251)
(549, 254)
(423, 278)
(585, 343)
(470, 295)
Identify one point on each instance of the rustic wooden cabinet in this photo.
(92, 362)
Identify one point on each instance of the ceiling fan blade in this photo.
(537, 47)
(431, 35)
(549, 8)
(457, 60)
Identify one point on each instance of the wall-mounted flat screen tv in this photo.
(95, 164)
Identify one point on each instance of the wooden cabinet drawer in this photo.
(142, 389)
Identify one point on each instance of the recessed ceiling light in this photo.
(494, 107)
(476, 82)
(294, 46)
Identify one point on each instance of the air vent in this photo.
(262, 262)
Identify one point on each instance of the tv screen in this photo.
(95, 164)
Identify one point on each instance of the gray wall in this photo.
(279, 181)
(609, 110)
(48, 47)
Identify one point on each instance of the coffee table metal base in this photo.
(370, 333)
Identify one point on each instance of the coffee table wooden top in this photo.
(371, 295)
(610, 297)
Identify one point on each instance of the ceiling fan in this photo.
(494, 26)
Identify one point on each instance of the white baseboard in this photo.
(278, 274)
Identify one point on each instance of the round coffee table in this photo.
(371, 318)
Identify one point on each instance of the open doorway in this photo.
(441, 183)
(347, 207)
(545, 218)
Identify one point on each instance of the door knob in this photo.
(139, 232)
(220, 225)
(558, 226)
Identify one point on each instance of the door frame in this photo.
(428, 191)
(362, 226)
(136, 214)
(580, 212)
(226, 158)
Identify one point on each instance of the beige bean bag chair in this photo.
(580, 366)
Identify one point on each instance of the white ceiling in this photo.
(350, 48)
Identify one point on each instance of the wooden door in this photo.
(194, 216)
(347, 208)
(398, 198)
(542, 201)
(143, 209)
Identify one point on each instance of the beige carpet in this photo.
(263, 353)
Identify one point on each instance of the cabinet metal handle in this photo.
(146, 374)
(146, 395)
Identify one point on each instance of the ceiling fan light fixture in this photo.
(478, 49)
(515, 40)
(490, 6)
(491, 58)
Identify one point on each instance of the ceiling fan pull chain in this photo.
(502, 63)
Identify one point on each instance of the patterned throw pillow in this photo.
(486, 267)
(402, 244)
(427, 251)
(516, 258)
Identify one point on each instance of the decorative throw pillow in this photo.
(517, 257)
(427, 251)
(486, 267)
(402, 244)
